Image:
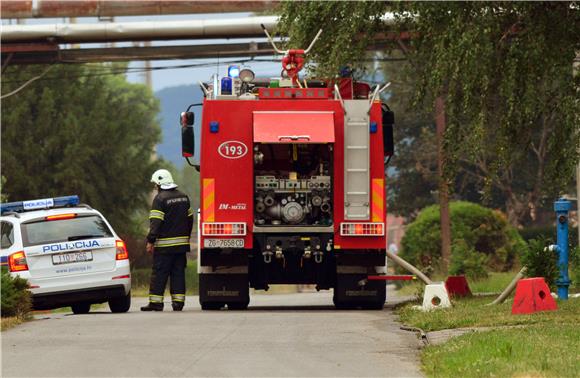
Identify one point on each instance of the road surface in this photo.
(283, 335)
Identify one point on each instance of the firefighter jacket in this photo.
(171, 221)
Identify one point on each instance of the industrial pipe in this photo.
(247, 27)
(139, 31)
(404, 264)
(114, 8)
(508, 290)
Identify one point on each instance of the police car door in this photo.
(68, 244)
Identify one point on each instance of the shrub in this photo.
(15, 296)
(484, 231)
(575, 266)
(541, 263)
(467, 261)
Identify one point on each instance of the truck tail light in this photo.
(17, 262)
(223, 229)
(362, 229)
(122, 253)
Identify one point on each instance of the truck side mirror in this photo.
(187, 135)
(187, 119)
(388, 123)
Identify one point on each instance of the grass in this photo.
(472, 312)
(10, 322)
(140, 280)
(495, 283)
(540, 350)
(544, 344)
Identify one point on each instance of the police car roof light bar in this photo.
(37, 204)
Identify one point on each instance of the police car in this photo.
(68, 252)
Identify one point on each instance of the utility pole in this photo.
(445, 219)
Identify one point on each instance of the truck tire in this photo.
(81, 308)
(121, 304)
(349, 295)
(238, 305)
(217, 290)
(211, 306)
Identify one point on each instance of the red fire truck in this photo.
(292, 186)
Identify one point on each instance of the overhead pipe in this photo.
(139, 31)
(248, 27)
(114, 8)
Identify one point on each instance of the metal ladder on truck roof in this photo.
(356, 160)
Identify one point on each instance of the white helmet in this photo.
(163, 178)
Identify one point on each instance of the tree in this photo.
(500, 72)
(77, 131)
(504, 71)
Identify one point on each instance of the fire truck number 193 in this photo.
(232, 149)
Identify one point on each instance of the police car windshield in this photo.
(54, 231)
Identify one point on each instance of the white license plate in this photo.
(72, 257)
(223, 243)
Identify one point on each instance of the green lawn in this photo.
(495, 283)
(538, 350)
(544, 344)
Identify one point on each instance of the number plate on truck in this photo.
(72, 257)
(223, 243)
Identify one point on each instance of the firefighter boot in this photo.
(177, 306)
(153, 307)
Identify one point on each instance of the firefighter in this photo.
(171, 221)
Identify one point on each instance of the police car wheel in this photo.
(121, 304)
(81, 308)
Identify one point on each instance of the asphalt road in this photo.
(278, 336)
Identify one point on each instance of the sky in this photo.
(179, 76)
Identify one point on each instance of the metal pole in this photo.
(562, 207)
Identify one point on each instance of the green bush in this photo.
(575, 267)
(541, 263)
(467, 261)
(15, 296)
(484, 231)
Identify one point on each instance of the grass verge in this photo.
(494, 283)
(546, 344)
(10, 322)
(472, 312)
(540, 350)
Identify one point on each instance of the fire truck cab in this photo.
(292, 188)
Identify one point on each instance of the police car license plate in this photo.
(223, 243)
(72, 257)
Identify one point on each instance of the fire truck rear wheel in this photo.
(238, 305)
(212, 306)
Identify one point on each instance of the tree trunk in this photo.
(445, 219)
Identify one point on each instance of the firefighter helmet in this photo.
(163, 178)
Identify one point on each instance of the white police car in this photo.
(68, 252)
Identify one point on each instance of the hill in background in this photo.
(175, 100)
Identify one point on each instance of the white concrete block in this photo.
(435, 297)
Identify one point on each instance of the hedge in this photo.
(15, 296)
(481, 237)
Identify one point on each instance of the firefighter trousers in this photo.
(168, 265)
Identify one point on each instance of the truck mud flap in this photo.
(349, 294)
(218, 290)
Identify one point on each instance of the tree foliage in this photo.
(504, 70)
(80, 133)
